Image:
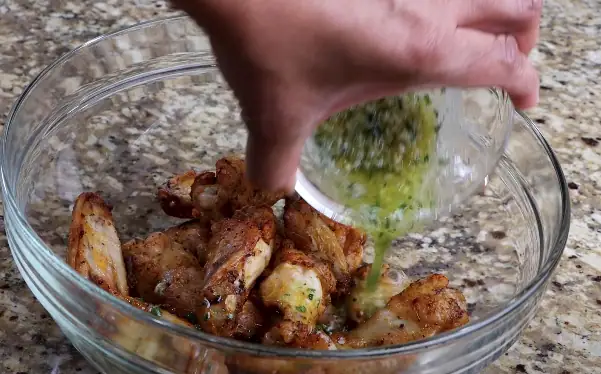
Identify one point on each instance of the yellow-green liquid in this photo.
(382, 150)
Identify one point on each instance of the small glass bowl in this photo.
(474, 127)
(124, 112)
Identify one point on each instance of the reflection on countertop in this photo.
(564, 336)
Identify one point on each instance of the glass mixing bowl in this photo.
(125, 111)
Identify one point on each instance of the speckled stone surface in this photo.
(565, 335)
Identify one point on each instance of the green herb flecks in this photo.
(156, 311)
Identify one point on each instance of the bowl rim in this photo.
(58, 264)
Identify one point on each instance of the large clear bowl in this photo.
(125, 111)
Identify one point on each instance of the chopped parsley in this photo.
(301, 308)
(156, 311)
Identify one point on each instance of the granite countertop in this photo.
(564, 337)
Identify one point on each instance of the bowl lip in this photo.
(17, 217)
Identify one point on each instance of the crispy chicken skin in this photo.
(208, 200)
(425, 308)
(193, 237)
(311, 232)
(299, 288)
(94, 248)
(156, 311)
(227, 190)
(352, 241)
(231, 177)
(363, 302)
(161, 271)
(239, 250)
(174, 195)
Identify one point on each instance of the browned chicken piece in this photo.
(239, 250)
(162, 272)
(161, 348)
(231, 177)
(193, 237)
(299, 288)
(208, 199)
(95, 252)
(352, 241)
(317, 340)
(174, 196)
(310, 232)
(94, 248)
(363, 302)
(156, 311)
(228, 191)
(425, 308)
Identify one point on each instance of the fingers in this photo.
(489, 60)
(272, 164)
(498, 14)
(520, 18)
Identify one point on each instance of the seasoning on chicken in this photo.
(174, 196)
(162, 271)
(363, 301)
(228, 191)
(352, 241)
(239, 250)
(193, 237)
(425, 308)
(94, 248)
(156, 311)
(299, 288)
(310, 232)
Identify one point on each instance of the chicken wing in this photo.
(363, 302)
(352, 241)
(299, 288)
(229, 191)
(174, 196)
(193, 237)
(239, 250)
(162, 272)
(94, 248)
(425, 308)
(164, 349)
(310, 232)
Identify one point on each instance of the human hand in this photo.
(293, 64)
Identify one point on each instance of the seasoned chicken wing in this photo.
(311, 232)
(425, 308)
(239, 250)
(352, 241)
(162, 271)
(363, 302)
(299, 288)
(174, 196)
(177, 353)
(95, 252)
(157, 311)
(231, 177)
(228, 191)
(94, 248)
(193, 237)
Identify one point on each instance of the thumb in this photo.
(272, 161)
